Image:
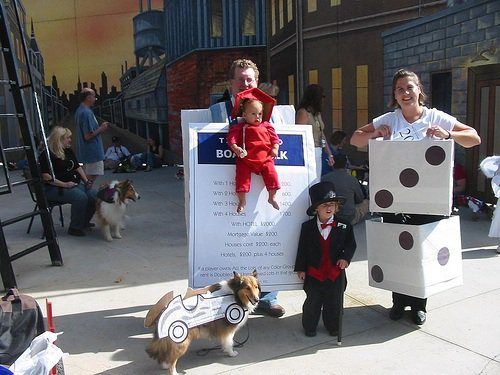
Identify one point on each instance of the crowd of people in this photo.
(338, 201)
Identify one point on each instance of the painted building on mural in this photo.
(142, 106)
(338, 45)
(456, 52)
(203, 37)
(52, 109)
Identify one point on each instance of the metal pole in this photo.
(341, 312)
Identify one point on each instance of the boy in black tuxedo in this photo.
(326, 247)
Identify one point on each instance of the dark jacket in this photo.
(342, 244)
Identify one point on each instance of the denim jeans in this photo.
(268, 299)
(82, 202)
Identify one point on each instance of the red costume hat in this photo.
(268, 102)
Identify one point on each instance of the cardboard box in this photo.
(417, 260)
(411, 177)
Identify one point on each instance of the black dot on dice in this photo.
(443, 256)
(377, 274)
(383, 198)
(408, 177)
(435, 155)
(406, 240)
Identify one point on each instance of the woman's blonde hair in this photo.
(55, 140)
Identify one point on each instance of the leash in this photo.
(237, 344)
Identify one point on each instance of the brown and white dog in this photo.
(246, 291)
(111, 203)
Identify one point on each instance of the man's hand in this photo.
(301, 275)
(104, 126)
(70, 184)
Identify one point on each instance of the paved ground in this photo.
(104, 290)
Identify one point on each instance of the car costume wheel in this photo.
(234, 313)
(178, 331)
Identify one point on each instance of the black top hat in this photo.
(320, 193)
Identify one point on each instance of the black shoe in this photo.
(310, 333)
(76, 232)
(418, 316)
(396, 312)
(334, 332)
(274, 310)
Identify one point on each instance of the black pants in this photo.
(322, 296)
(399, 299)
(415, 303)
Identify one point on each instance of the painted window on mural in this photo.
(312, 5)
(313, 76)
(281, 14)
(291, 89)
(289, 10)
(273, 17)
(216, 18)
(337, 98)
(362, 95)
(248, 17)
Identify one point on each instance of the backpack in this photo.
(21, 320)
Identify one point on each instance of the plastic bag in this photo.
(41, 356)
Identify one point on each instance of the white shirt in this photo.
(116, 153)
(325, 232)
(402, 130)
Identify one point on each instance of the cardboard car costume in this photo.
(179, 315)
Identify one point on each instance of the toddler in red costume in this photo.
(259, 146)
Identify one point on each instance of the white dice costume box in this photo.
(411, 177)
(417, 260)
(408, 177)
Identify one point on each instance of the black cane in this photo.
(341, 313)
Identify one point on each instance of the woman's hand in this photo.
(382, 131)
(342, 263)
(69, 184)
(438, 132)
(301, 275)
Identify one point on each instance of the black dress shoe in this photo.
(76, 232)
(397, 312)
(310, 333)
(418, 317)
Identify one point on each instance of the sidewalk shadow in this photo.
(479, 254)
(121, 332)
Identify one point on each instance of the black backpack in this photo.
(21, 320)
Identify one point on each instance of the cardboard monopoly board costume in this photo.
(222, 241)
